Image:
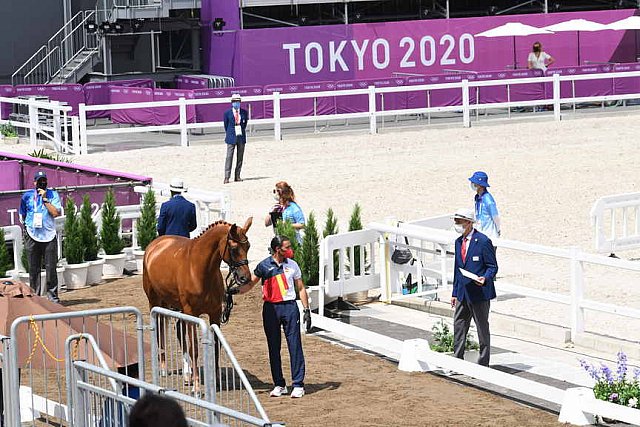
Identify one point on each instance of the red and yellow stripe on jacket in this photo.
(274, 288)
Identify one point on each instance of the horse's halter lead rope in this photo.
(230, 279)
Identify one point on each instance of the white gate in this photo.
(616, 220)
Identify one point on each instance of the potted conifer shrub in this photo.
(9, 134)
(110, 239)
(5, 260)
(310, 258)
(90, 243)
(357, 269)
(75, 273)
(23, 274)
(146, 228)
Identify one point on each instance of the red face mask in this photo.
(288, 253)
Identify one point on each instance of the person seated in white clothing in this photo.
(539, 59)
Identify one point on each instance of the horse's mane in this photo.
(212, 225)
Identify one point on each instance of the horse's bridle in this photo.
(230, 280)
(233, 265)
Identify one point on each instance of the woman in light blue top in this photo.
(291, 211)
(487, 216)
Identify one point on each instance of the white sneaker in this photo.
(278, 391)
(297, 392)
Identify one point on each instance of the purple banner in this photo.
(628, 84)
(378, 50)
(214, 112)
(70, 94)
(6, 91)
(16, 173)
(171, 115)
(98, 94)
(191, 82)
(123, 95)
(301, 107)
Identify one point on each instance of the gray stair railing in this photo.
(59, 51)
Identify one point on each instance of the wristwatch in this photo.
(45, 200)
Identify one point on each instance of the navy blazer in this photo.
(480, 260)
(229, 126)
(177, 217)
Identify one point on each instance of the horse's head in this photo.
(235, 252)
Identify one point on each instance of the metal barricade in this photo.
(232, 388)
(37, 381)
(182, 357)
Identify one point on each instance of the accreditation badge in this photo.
(238, 130)
(37, 220)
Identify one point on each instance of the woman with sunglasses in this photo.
(539, 59)
(286, 209)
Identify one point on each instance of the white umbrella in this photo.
(513, 29)
(577, 25)
(630, 23)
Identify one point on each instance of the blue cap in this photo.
(39, 174)
(480, 178)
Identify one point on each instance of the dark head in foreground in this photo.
(153, 410)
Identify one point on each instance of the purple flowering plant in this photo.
(618, 387)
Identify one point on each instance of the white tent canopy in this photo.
(630, 23)
(513, 29)
(577, 25)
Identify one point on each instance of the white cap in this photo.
(236, 97)
(464, 213)
(177, 185)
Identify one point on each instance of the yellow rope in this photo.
(38, 340)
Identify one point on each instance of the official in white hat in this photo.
(177, 215)
(235, 126)
(475, 268)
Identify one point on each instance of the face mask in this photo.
(474, 187)
(276, 197)
(459, 228)
(288, 253)
(42, 185)
(235, 105)
(536, 48)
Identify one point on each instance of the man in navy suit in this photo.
(472, 297)
(235, 125)
(177, 215)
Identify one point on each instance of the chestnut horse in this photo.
(184, 274)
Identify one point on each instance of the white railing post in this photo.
(75, 135)
(184, 133)
(277, 129)
(372, 110)
(385, 290)
(57, 130)
(466, 119)
(556, 97)
(33, 123)
(577, 290)
(322, 277)
(82, 115)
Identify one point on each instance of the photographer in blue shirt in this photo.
(38, 209)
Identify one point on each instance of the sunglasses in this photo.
(276, 191)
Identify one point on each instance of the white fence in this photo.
(616, 220)
(373, 114)
(433, 249)
(50, 120)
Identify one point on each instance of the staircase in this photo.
(69, 53)
(72, 52)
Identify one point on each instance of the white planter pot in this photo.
(11, 140)
(94, 274)
(75, 276)
(113, 266)
(139, 257)
(24, 277)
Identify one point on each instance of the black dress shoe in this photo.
(238, 180)
(226, 180)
